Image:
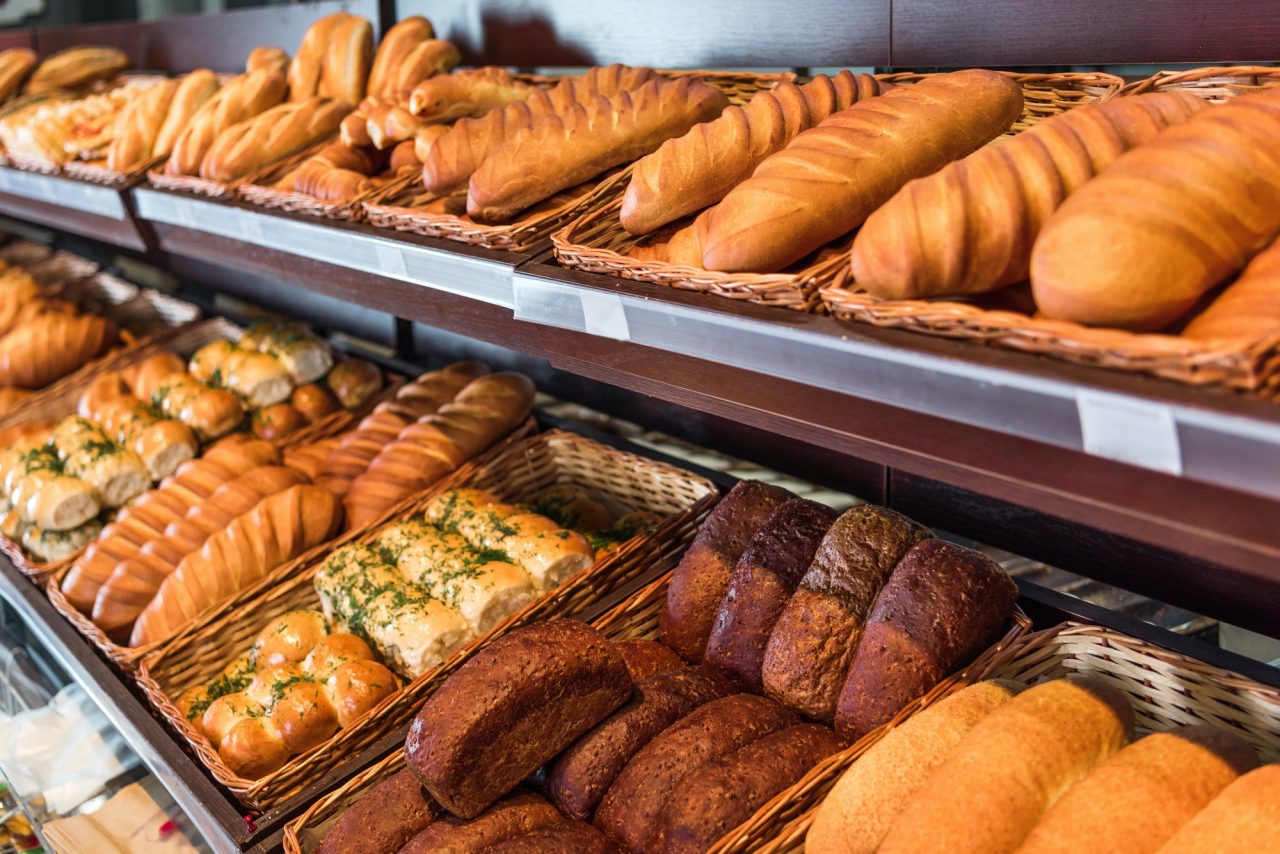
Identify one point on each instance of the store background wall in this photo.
(62, 13)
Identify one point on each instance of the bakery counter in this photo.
(82, 207)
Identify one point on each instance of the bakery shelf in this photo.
(82, 207)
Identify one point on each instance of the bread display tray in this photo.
(399, 206)
(596, 242)
(637, 617)
(1166, 689)
(517, 473)
(259, 189)
(1240, 364)
(96, 172)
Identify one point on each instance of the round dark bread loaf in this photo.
(515, 705)
(384, 819)
(514, 815)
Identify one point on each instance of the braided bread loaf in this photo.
(969, 228)
(696, 170)
(49, 347)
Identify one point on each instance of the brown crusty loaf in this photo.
(1244, 817)
(762, 582)
(698, 169)
(396, 44)
(969, 228)
(1249, 308)
(50, 346)
(307, 66)
(997, 783)
(646, 658)
(565, 837)
(76, 67)
(267, 57)
(472, 93)
(458, 154)
(579, 777)
(515, 815)
(137, 125)
(1166, 222)
(270, 136)
(702, 576)
(194, 91)
(280, 528)
(727, 791)
(513, 706)
(344, 71)
(566, 149)
(809, 651)
(632, 808)
(861, 807)
(387, 816)
(941, 606)
(15, 64)
(1139, 798)
(241, 98)
(832, 176)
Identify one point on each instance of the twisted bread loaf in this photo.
(969, 228)
(832, 176)
(1166, 222)
(1248, 308)
(242, 98)
(696, 170)
(51, 346)
(563, 150)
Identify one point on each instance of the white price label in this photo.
(1129, 431)
(390, 261)
(603, 314)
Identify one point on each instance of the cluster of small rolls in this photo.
(298, 684)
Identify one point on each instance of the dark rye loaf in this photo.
(700, 580)
(516, 704)
(514, 815)
(809, 651)
(941, 606)
(579, 777)
(567, 837)
(761, 585)
(385, 818)
(645, 657)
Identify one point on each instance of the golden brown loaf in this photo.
(1141, 796)
(75, 67)
(242, 98)
(280, 528)
(51, 346)
(1166, 222)
(425, 60)
(466, 93)
(564, 150)
(15, 64)
(832, 176)
(11, 397)
(396, 45)
(307, 66)
(860, 809)
(145, 378)
(999, 780)
(969, 228)
(1244, 818)
(193, 92)
(1249, 308)
(269, 58)
(696, 170)
(345, 69)
(138, 124)
(270, 136)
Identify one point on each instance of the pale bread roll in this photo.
(1139, 798)
(858, 812)
(997, 783)
(1245, 818)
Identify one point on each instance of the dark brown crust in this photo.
(568, 837)
(761, 584)
(512, 707)
(512, 816)
(699, 582)
(385, 818)
(940, 607)
(644, 657)
(722, 794)
(808, 653)
(579, 777)
(634, 803)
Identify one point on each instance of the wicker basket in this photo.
(1166, 689)
(638, 618)
(401, 205)
(597, 242)
(96, 172)
(517, 475)
(259, 189)
(1239, 364)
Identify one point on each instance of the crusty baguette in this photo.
(1139, 245)
(696, 170)
(270, 136)
(1249, 308)
(76, 67)
(425, 60)
(345, 70)
(466, 93)
(860, 809)
(49, 347)
(1011, 766)
(969, 228)
(1245, 817)
(138, 124)
(832, 176)
(269, 58)
(562, 151)
(396, 44)
(242, 98)
(15, 64)
(193, 92)
(307, 66)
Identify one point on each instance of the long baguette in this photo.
(1249, 308)
(698, 169)
(271, 136)
(832, 176)
(307, 66)
(242, 98)
(969, 228)
(138, 124)
(466, 93)
(562, 151)
(396, 44)
(193, 92)
(347, 58)
(1139, 245)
